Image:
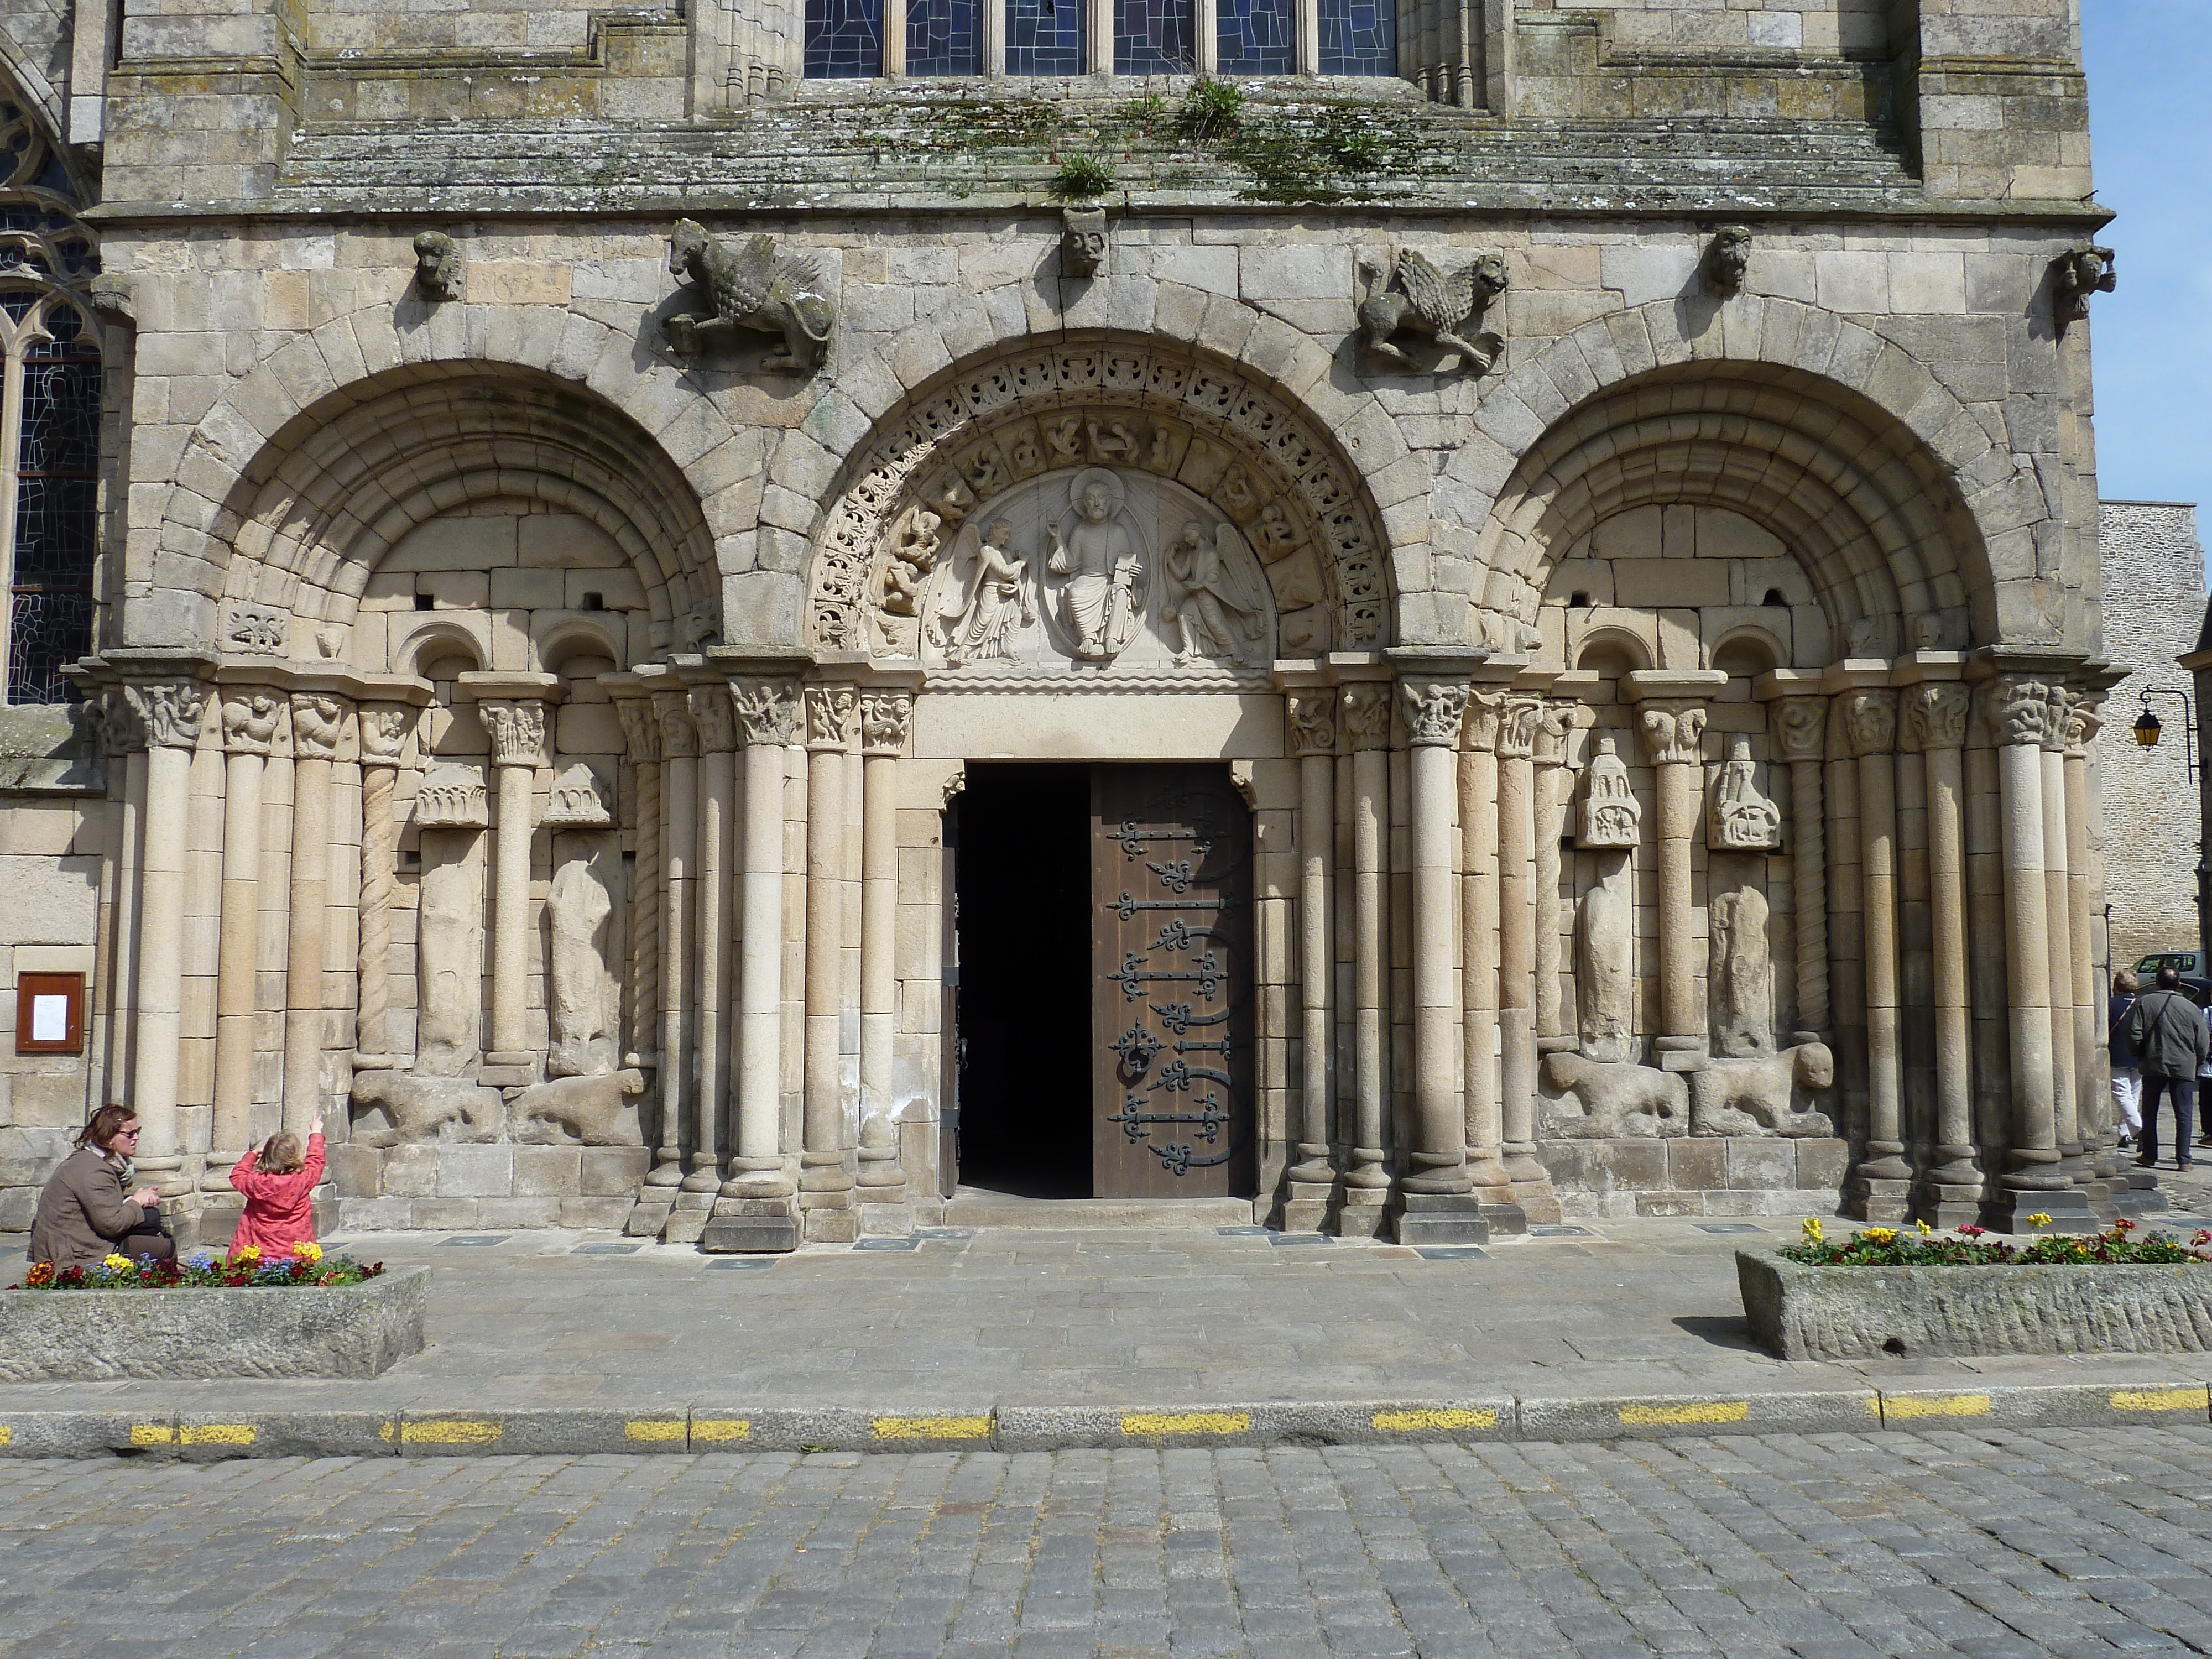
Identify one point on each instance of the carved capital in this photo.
(1434, 709)
(169, 711)
(1937, 712)
(768, 709)
(2054, 722)
(1799, 727)
(317, 726)
(714, 718)
(829, 711)
(640, 728)
(1555, 724)
(1484, 711)
(1367, 714)
(1673, 732)
(679, 739)
(1869, 721)
(2084, 718)
(885, 718)
(121, 730)
(384, 729)
(1516, 727)
(1309, 721)
(516, 727)
(2018, 708)
(250, 720)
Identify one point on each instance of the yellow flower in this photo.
(1879, 1235)
(1810, 1227)
(117, 1263)
(308, 1251)
(2040, 1218)
(251, 1253)
(1922, 1228)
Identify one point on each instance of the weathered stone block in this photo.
(1638, 1166)
(358, 1171)
(518, 1211)
(609, 1213)
(1670, 1203)
(444, 1214)
(612, 1171)
(545, 1171)
(410, 1171)
(355, 1330)
(1753, 1164)
(475, 1172)
(1697, 1165)
(1822, 1164)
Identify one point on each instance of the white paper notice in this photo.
(50, 1019)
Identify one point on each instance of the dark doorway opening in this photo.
(1021, 883)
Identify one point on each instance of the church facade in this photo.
(728, 621)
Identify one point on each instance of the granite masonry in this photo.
(716, 624)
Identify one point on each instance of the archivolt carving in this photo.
(1239, 445)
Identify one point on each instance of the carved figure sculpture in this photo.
(1211, 605)
(448, 965)
(1605, 962)
(591, 1110)
(1740, 968)
(1742, 819)
(409, 1108)
(1083, 240)
(1729, 259)
(1611, 813)
(437, 266)
(975, 622)
(913, 556)
(1619, 1102)
(2074, 277)
(1418, 298)
(1099, 567)
(577, 908)
(752, 291)
(1773, 1094)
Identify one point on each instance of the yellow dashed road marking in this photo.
(1710, 1411)
(1437, 1418)
(217, 1434)
(655, 1428)
(455, 1431)
(721, 1428)
(2124, 1399)
(931, 1428)
(1941, 1404)
(1141, 1423)
(153, 1434)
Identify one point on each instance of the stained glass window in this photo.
(1358, 37)
(945, 37)
(1154, 37)
(57, 521)
(844, 40)
(1257, 37)
(1044, 36)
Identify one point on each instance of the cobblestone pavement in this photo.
(1989, 1544)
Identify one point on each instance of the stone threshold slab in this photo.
(2153, 1400)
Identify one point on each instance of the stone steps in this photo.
(972, 1206)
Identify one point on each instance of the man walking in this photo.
(2170, 1040)
(2127, 1075)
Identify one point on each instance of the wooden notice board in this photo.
(50, 1014)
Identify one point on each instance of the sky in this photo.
(2150, 130)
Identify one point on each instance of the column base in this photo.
(1950, 1206)
(1506, 1218)
(821, 1225)
(1363, 1212)
(1529, 1186)
(216, 1179)
(704, 1178)
(1440, 1219)
(2068, 1208)
(1367, 1173)
(669, 1172)
(759, 1177)
(879, 1170)
(751, 1226)
(650, 1213)
(882, 1218)
(688, 1220)
(1313, 1166)
(1305, 1207)
(2137, 1193)
(1885, 1202)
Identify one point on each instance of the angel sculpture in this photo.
(1417, 298)
(973, 622)
(754, 290)
(1211, 602)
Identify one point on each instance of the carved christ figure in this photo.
(997, 604)
(1101, 568)
(1213, 616)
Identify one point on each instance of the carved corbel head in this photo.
(1083, 241)
(2077, 275)
(1728, 258)
(437, 266)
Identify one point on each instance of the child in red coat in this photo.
(279, 1184)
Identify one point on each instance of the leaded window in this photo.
(1044, 36)
(1257, 37)
(945, 37)
(1153, 37)
(844, 40)
(1358, 37)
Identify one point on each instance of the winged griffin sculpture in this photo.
(1417, 298)
(754, 289)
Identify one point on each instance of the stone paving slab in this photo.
(1041, 1340)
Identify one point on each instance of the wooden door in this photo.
(1172, 1054)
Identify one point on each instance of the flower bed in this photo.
(245, 1271)
(329, 1319)
(1906, 1295)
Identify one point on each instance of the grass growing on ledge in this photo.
(245, 1271)
(1082, 178)
(1965, 1246)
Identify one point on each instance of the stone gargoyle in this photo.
(754, 290)
(1415, 297)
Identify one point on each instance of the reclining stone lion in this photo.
(415, 1109)
(1619, 1101)
(590, 1109)
(1764, 1094)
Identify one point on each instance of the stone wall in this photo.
(2153, 574)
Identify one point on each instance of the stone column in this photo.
(679, 857)
(384, 729)
(1674, 733)
(1878, 1184)
(885, 718)
(122, 741)
(319, 720)
(1953, 1187)
(1437, 1142)
(170, 711)
(517, 727)
(1555, 727)
(250, 716)
(712, 718)
(1309, 722)
(641, 975)
(825, 1185)
(1366, 705)
(1478, 830)
(1799, 733)
(2092, 1060)
(2066, 1102)
(2019, 710)
(1516, 949)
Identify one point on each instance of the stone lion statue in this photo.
(753, 290)
(1417, 298)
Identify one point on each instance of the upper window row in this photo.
(865, 39)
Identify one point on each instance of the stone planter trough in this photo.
(88, 1336)
(1870, 1313)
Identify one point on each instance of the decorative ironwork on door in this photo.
(1171, 885)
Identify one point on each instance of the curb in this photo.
(715, 1427)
